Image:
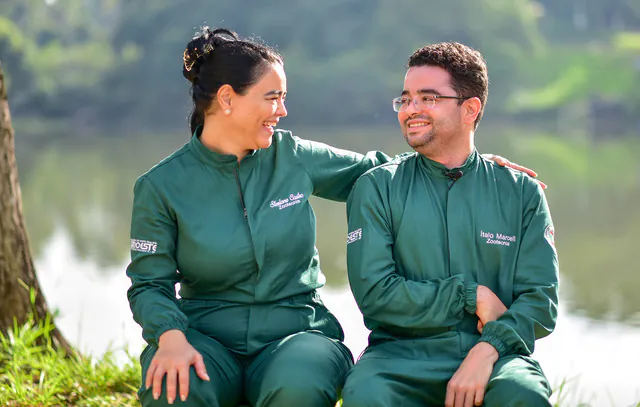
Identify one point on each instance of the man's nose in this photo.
(411, 108)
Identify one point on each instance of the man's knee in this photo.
(518, 393)
(362, 389)
(518, 381)
(360, 396)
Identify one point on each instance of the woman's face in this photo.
(256, 113)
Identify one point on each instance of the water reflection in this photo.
(77, 199)
(85, 188)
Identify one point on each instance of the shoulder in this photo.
(300, 146)
(168, 168)
(285, 143)
(505, 177)
(281, 136)
(388, 170)
(384, 175)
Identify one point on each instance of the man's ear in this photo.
(470, 110)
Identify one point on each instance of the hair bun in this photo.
(202, 45)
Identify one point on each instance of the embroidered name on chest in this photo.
(291, 200)
(497, 238)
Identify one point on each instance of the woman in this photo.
(227, 216)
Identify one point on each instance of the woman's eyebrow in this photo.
(275, 93)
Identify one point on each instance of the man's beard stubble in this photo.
(425, 144)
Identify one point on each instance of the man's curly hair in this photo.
(467, 67)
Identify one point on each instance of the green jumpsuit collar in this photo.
(213, 158)
(437, 169)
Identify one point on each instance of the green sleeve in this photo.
(153, 270)
(333, 171)
(535, 307)
(383, 296)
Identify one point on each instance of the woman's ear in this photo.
(224, 97)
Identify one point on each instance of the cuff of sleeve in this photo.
(470, 296)
(178, 325)
(489, 335)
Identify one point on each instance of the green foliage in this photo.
(565, 75)
(34, 374)
(627, 41)
(116, 63)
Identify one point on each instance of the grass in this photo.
(34, 374)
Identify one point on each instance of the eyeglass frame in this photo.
(433, 102)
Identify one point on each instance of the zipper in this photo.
(244, 210)
(446, 223)
(244, 207)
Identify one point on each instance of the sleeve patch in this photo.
(549, 234)
(143, 246)
(355, 235)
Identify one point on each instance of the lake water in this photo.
(77, 200)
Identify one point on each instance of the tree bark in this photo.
(17, 274)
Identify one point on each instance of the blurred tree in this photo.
(55, 55)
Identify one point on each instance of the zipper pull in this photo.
(245, 213)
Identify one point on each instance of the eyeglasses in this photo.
(401, 104)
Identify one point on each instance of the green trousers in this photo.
(249, 364)
(415, 373)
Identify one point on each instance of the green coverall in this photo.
(421, 239)
(240, 240)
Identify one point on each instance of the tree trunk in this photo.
(17, 274)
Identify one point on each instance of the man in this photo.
(451, 258)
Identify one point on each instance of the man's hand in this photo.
(174, 357)
(488, 305)
(466, 387)
(503, 162)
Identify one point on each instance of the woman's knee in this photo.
(306, 369)
(201, 394)
(223, 390)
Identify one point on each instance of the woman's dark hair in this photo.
(220, 57)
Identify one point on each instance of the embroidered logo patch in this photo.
(291, 200)
(143, 246)
(497, 238)
(550, 235)
(355, 235)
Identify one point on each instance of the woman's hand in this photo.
(503, 162)
(174, 357)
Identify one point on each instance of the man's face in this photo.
(429, 128)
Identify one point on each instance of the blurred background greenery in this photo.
(114, 65)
